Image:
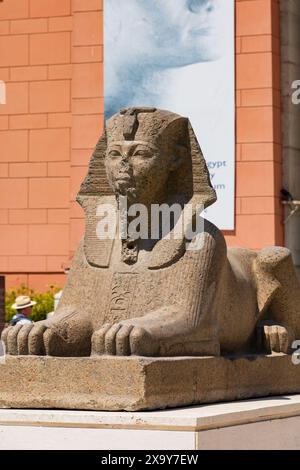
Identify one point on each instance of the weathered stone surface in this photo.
(135, 383)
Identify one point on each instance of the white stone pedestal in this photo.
(268, 423)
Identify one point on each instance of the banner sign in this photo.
(179, 55)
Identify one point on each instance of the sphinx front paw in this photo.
(275, 337)
(35, 339)
(25, 339)
(66, 334)
(123, 339)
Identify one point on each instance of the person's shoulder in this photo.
(19, 318)
(24, 321)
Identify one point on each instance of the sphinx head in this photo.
(153, 157)
(150, 156)
(145, 149)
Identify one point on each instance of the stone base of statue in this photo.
(139, 383)
(259, 424)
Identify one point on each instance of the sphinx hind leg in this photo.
(274, 337)
(278, 288)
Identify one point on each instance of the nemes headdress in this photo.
(161, 128)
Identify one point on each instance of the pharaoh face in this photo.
(168, 33)
(137, 169)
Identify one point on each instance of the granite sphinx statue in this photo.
(157, 297)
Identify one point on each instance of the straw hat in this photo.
(23, 301)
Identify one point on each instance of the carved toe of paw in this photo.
(122, 339)
(24, 339)
(276, 338)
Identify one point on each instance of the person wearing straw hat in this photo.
(23, 305)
